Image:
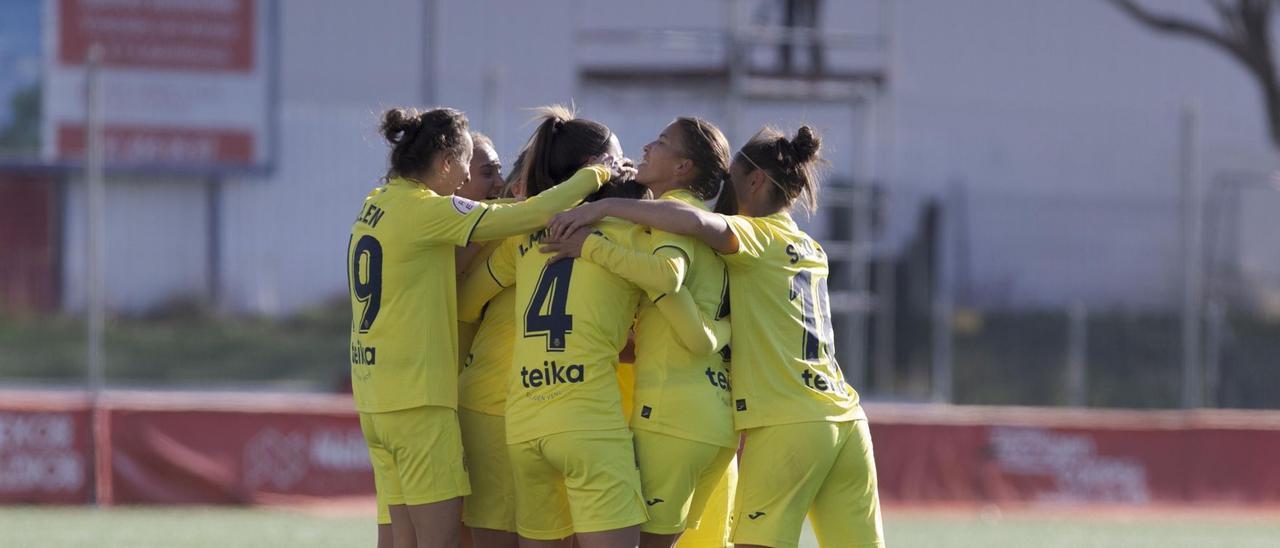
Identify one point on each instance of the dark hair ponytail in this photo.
(418, 138)
(790, 164)
(705, 145)
(560, 146)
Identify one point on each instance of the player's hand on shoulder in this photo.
(567, 248)
(568, 222)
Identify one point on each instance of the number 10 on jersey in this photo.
(815, 304)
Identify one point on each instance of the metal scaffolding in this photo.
(728, 58)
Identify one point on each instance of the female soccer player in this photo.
(404, 317)
(570, 449)
(489, 511)
(485, 184)
(681, 460)
(807, 446)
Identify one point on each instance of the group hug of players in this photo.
(493, 321)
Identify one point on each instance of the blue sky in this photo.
(19, 50)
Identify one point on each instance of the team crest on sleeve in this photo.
(463, 205)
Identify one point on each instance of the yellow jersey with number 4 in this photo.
(571, 321)
(784, 366)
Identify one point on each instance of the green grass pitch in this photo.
(22, 527)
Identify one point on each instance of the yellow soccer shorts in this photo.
(584, 482)
(717, 518)
(823, 469)
(417, 456)
(492, 502)
(677, 477)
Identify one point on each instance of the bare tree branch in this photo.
(1246, 37)
(1174, 25)
(1230, 15)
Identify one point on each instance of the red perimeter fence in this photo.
(173, 448)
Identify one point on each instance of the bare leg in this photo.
(627, 537)
(385, 538)
(650, 540)
(402, 533)
(490, 538)
(436, 524)
(530, 543)
(464, 533)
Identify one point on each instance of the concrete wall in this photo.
(1059, 118)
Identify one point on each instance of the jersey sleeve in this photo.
(753, 238)
(504, 220)
(483, 284)
(447, 219)
(698, 333)
(657, 273)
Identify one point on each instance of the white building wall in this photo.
(1060, 118)
(154, 247)
(1075, 108)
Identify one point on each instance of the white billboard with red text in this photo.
(185, 84)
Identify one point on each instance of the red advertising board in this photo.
(45, 448)
(179, 448)
(233, 449)
(160, 145)
(1044, 455)
(205, 35)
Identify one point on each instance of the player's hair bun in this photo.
(399, 123)
(805, 145)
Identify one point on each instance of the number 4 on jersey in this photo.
(545, 315)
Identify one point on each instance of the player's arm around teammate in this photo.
(788, 391)
(681, 460)
(485, 184)
(489, 511)
(401, 272)
(570, 450)
(658, 269)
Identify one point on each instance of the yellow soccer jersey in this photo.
(784, 367)
(467, 331)
(403, 283)
(482, 386)
(677, 392)
(571, 321)
(626, 373)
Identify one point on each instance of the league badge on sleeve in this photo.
(463, 205)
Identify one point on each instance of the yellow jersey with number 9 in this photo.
(400, 268)
(401, 273)
(784, 366)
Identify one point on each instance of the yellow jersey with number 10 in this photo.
(784, 366)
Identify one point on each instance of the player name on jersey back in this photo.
(571, 320)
